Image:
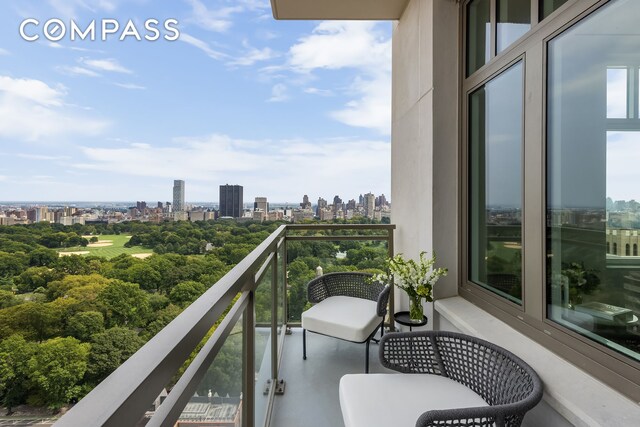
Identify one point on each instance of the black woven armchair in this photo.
(507, 384)
(347, 306)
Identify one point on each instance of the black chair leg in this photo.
(382, 329)
(366, 363)
(304, 344)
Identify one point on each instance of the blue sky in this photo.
(283, 108)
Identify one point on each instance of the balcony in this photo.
(222, 359)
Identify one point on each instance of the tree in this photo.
(15, 353)
(61, 288)
(12, 264)
(43, 257)
(56, 369)
(185, 293)
(110, 349)
(7, 299)
(84, 324)
(73, 264)
(36, 277)
(124, 304)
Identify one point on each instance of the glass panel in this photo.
(281, 287)
(616, 93)
(593, 276)
(263, 344)
(478, 34)
(304, 258)
(514, 19)
(495, 223)
(548, 6)
(219, 396)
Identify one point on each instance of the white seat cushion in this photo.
(348, 318)
(399, 399)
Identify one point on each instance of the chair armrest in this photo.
(410, 352)
(469, 417)
(383, 301)
(317, 290)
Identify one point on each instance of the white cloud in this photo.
(34, 91)
(3, 178)
(77, 71)
(279, 93)
(41, 157)
(218, 20)
(32, 110)
(4, 52)
(108, 65)
(360, 46)
(373, 109)
(130, 86)
(202, 45)
(71, 8)
(297, 166)
(317, 91)
(342, 44)
(253, 55)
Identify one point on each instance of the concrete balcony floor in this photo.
(311, 398)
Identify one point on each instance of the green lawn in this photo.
(112, 251)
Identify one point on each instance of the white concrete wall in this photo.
(424, 125)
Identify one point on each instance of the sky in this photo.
(283, 108)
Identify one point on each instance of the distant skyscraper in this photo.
(369, 204)
(306, 204)
(231, 201)
(261, 204)
(322, 203)
(178, 196)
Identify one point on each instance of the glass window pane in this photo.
(478, 34)
(514, 19)
(495, 223)
(548, 6)
(593, 217)
(616, 93)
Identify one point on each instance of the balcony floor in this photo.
(311, 398)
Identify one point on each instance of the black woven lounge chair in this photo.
(504, 384)
(346, 306)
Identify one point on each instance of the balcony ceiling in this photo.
(338, 9)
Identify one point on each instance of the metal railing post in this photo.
(248, 366)
(390, 249)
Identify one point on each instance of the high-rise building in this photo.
(261, 204)
(369, 204)
(178, 195)
(322, 203)
(306, 204)
(337, 206)
(231, 201)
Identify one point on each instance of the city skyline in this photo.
(286, 109)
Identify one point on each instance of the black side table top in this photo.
(402, 317)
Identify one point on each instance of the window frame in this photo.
(609, 366)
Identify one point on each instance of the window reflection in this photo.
(495, 148)
(593, 149)
(478, 34)
(514, 19)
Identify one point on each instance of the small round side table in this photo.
(402, 317)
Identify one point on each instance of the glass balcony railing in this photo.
(218, 362)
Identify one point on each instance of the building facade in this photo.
(178, 196)
(231, 201)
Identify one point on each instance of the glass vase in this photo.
(416, 310)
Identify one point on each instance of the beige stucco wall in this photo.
(425, 127)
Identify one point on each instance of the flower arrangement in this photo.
(415, 278)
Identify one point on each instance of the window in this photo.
(495, 215)
(547, 7)
(576, 182)
(478, 34)
(593, 149)
(514, 19)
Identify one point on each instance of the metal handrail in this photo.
(124, 396)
